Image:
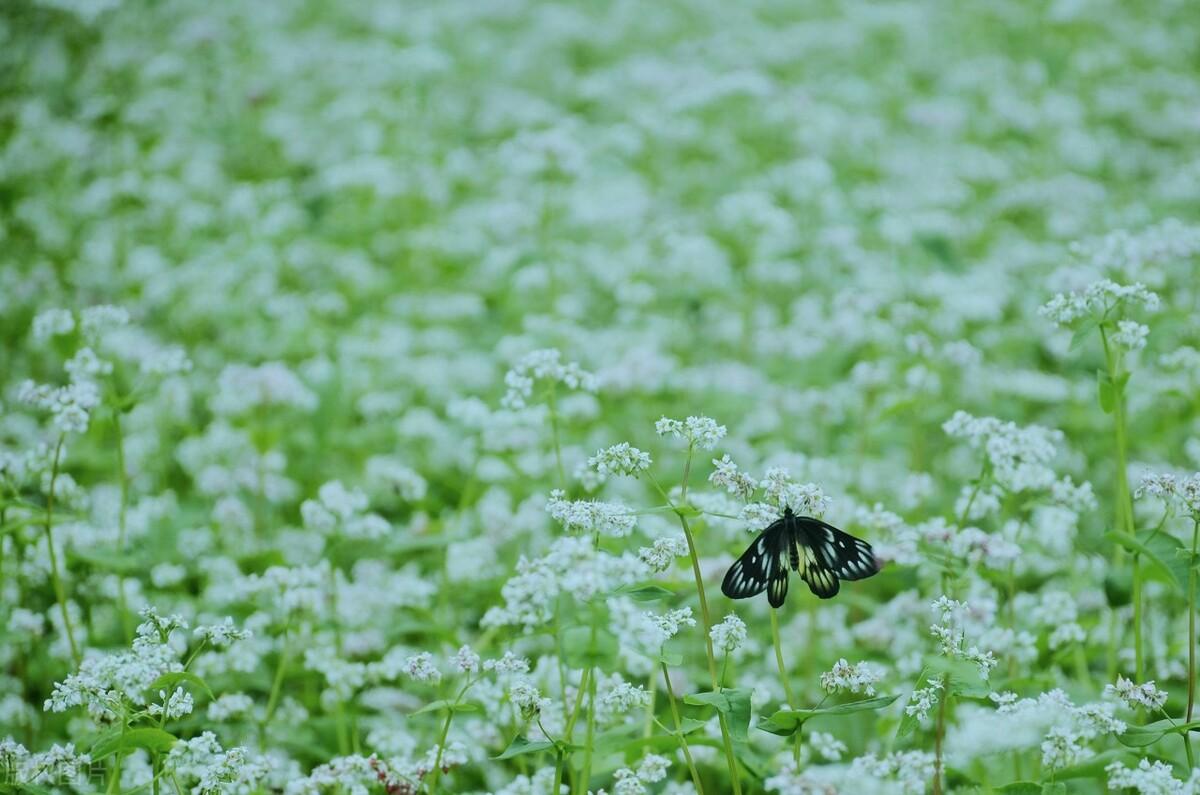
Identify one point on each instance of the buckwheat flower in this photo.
(545, 366)
(620, 459)
(527, 698)
(1148, 778)
(701, 432)
(730, 634)
(591, 516)
(806, 499)
(85, 365)
(1066, 634)
(52, 323)
(727, 475)
(466, 660)
(1180, 493)
(165, 361)
(95, 320)
(390, 472)
(1144, 695)
(221, 635)
(663, 553)
(653, 768)
(59, 764)
(1130, 335)
(1099, 299)
(757, 515)
(230, 706)
(421, 668)
(626, 782)
(846, 678)
(508, 664)
(70, 406)
(619, 697)
(672, 621)
(241, 389)
(923, 699)
(175, 705)
(827, 746)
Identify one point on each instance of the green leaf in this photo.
(1107, 391)
(786, 722)
(152, 739)
(587, 647)
(441, 704)
(1054, 788)
(738, 716)
(670, 658)
(1083, 332)
(962, 676)
(687, 511)
(1021, 788)
(1160, 548)
(521, 746)
(1094, 766)
(169, 681)
(644, 592)
(1142, 736)
(709, 699)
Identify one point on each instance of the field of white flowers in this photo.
(386, 388)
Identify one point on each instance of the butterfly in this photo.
(819, 552)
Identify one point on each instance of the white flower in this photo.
(1144, 695)
(661, 556)
(923, 699)
(1097, 300)
(620, 459)
(829, 747)
(727, 475)
(466, 660)
(1130, 335)
(546, 366)
(730, 634)
(672, 621)
(421, 668)
(844, 677)
(701, 432)
(591, 516)
(52, 323)
(806, 499)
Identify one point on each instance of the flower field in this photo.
(387, 391)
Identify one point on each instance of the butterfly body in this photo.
(820, 553)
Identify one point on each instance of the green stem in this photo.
(938, 739)
(277, 683)
(122, 523)
(727, 740)
(56, 579)
(437, 763)
(683, 743)
(783, 678)
(1124, 498)
(558, 461)
(1191, 600)
(568, 733)
(586, 778)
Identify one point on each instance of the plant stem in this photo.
(122, 510)
(783, 678)
(683, 743)
(1124, 498)
(585, 779)
(56, 579)
(727, 740)
(562, 473)
(568, 733)
(1191, 600)
(277, 683)
(437, 763)
(938, 738)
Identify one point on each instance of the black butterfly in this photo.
(829, 555)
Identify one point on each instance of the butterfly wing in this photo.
(821, 580)
(760, 566)
(847, 557)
